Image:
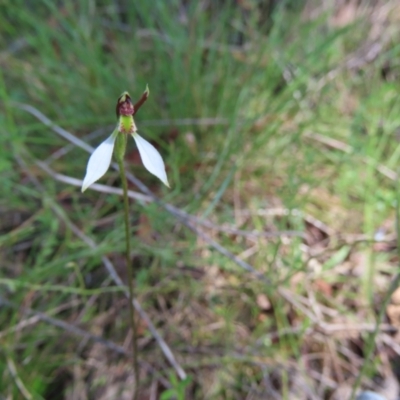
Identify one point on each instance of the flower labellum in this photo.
(100, 160)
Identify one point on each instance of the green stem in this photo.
(130, 276)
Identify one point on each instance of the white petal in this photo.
(99, 161)
(151, 159)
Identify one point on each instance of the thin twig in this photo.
(35, 319)
(95, 186)
(61, 152)
(187, 121)
(67, 327)
(142, 197)
(17, 379)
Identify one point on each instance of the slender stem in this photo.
(135, 363)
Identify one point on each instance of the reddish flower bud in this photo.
(124, 105)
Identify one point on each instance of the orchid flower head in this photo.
(100, 160)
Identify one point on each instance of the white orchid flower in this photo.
(100, 160)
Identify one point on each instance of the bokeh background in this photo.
(265, 271)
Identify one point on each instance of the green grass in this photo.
(291, 122)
